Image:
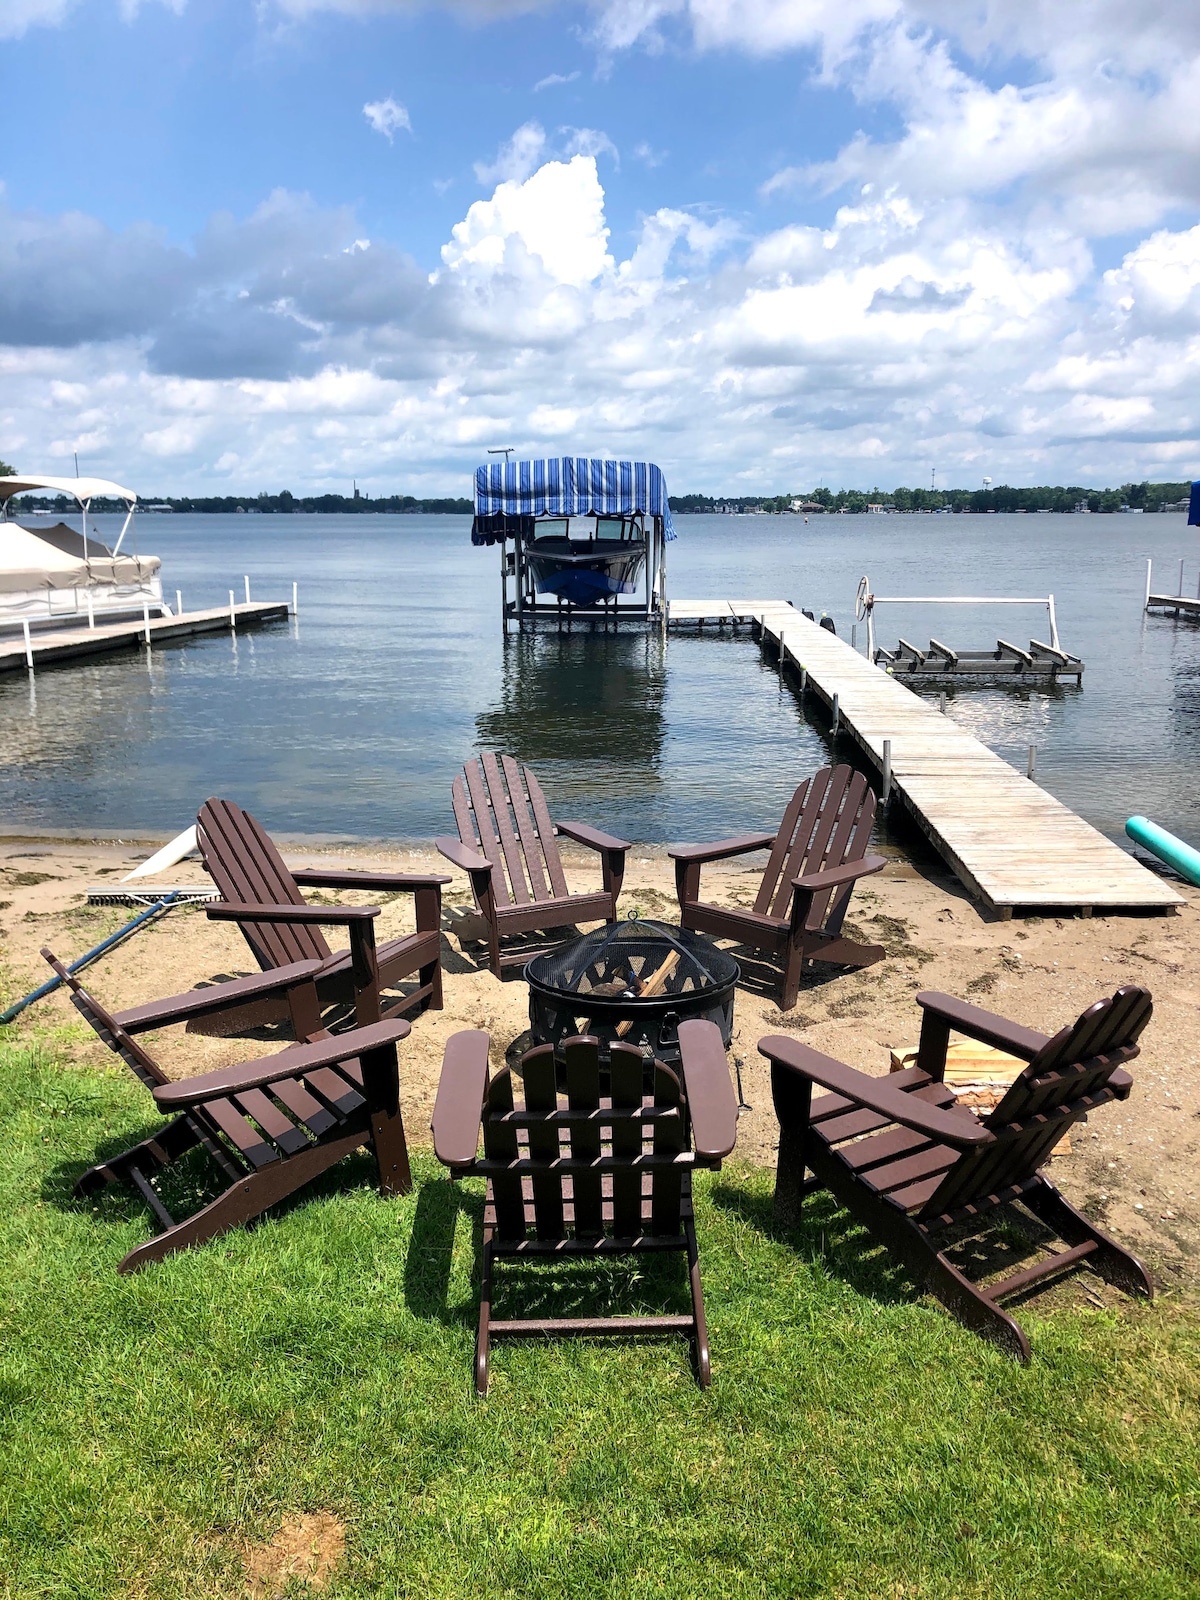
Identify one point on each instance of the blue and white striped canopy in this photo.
(572, 486)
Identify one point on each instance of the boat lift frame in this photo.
(523, 605)
(865, 602)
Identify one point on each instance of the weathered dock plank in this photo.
(71, 643)
(1010, 842)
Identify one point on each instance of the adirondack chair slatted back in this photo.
(143, 1066)
(827, 822)
(245, 865)
(500, 810)
(1068, 1077)
(560, 1195)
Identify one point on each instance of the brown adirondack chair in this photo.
(908, 1163)
(506, 844)
(269, 1126)
(263, 897)
(587, 1173)
(817, 856)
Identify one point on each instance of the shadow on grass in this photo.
(429, 1260)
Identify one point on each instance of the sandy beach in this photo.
(1134, 1167)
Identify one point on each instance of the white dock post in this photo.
(837, 715)
(803, 681)
(232, 614)
(1181, 576)
(1149, 570)
(1032, 762)
(887, 773)
(942, 702)
(246, 581)
(854, 636)
(146, 619)
(295, 599)
(28, 645)
(91, 608)
(179, 602)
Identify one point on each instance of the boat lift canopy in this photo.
(510, 494)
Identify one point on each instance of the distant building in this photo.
(877, 510)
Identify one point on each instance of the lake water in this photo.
(351, 722)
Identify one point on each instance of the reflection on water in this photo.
(586, 711)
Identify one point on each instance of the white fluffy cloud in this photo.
(387, 117)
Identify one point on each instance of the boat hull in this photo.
(585, 573)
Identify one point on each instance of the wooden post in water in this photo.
(232, 614)
(28, 644)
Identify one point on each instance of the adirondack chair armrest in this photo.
(318, 879)
(463, 855)
(985, 1026)
(591, 837)
(458, 1108)
(722, 848)
(216, 997)
(835, 877)
(876, 1094)
(712, 1103)
(293, 1062)
(238, 911)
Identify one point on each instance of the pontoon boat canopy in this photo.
(52, 558)
(81, 489)
(509, 494)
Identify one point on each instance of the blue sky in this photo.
(766, 242)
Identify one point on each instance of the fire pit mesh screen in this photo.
(632, 980)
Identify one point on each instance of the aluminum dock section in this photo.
(1013, 845)
(66, 645)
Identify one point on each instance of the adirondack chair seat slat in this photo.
(267, 1133)
(816, 857)
(243, 862)
(593, 1177)
(904, 1173)
(508, 847)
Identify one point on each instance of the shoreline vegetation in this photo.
(1130, 497)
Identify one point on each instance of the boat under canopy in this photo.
(584, 530)
(61, 575)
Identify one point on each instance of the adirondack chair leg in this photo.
(793, 966)
(483, 1336)
(248, 1198)
(613, 876)
(431, 977)
(700, 1353)
(927, 1266)
(1109, 1261)
(792, 1094)
(381, 1085)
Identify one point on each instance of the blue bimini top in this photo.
(1193, 520)
(509, 494)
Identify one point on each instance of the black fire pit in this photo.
(634, 982)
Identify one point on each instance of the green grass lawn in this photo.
(856, 1441)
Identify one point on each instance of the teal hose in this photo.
(1166, 847)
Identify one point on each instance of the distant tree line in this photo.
(1130, 496)
(284, 502)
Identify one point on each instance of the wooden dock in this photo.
(1180, 604)
(1013, 845)
(68, 644)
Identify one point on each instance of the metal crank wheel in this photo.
(864, 600)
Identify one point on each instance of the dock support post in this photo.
(179, 602)
(1149, 570)
(232, 613)
(1031, 764)
(28, 644)
(91, 608)
(295, 599)
(837, 715)
(146, 620)
(854, 636)
(886, 794)
(246, 581)
(803, 683)
(1181, 577)
(942, 702)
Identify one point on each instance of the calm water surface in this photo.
(351, 722)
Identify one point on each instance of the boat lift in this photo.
(940, 666)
